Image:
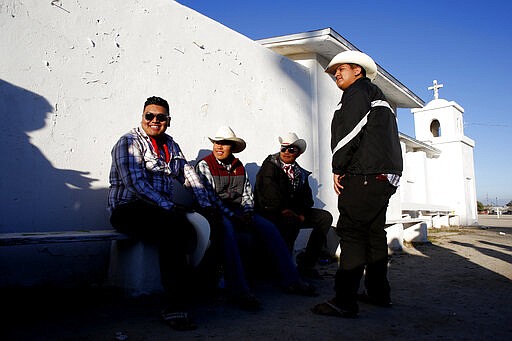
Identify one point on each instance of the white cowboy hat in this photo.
(226, 134)
(353, 57)
(293, 139)
(202, 228)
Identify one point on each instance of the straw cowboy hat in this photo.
(293, 139)
(226, 134)
(202, 228)
(353, 57)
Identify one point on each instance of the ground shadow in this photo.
(488, 251)
(505, 247)
(437, 294)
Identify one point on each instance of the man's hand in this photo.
(337, 183)
(243, 223)
(210, 213)
(247, 218)
(292, 217)
(301, 218)
(180, 209)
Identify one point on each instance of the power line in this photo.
(488, 124)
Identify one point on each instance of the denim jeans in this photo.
(274, 245)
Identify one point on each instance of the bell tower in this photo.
(451, 176)
(439, 120)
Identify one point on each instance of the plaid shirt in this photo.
(393, 179)
(206, 177)
(138, 173)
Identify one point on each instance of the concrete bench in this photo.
(26, 238)
(434, 215)
(133, 264)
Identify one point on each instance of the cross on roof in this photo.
(436, 88)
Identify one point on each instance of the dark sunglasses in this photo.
(159, 117)
(291, 150)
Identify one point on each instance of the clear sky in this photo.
(466, 45)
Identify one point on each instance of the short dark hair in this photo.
(157, 101)
(353, 66)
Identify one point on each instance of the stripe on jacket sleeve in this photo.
(381, 103)
(360, 125)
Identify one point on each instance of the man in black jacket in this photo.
(367, 165)
(283, 196)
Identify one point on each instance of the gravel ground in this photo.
(458, 287)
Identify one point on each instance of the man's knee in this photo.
(321, 219)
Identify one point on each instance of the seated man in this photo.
(144, 163)
(228, 186)
(283, 196)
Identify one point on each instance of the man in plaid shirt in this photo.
(145, 162)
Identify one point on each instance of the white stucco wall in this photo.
(414, 180)
(325, 97)
(454, 180)
(74, 78)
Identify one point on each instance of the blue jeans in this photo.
(234, 272)
(270, 238)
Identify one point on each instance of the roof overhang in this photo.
(413, 145)
(327, 43)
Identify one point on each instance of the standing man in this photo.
(283, 196)
(141, 200)
(367, 165)
(229, 189)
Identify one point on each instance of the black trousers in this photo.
(175, 237)
(362, 205)
(318, 219)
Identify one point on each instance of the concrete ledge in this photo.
(416, 233)
(395, 233)
(25, 238)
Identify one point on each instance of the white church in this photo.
(74, 78)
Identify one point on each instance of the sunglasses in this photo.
(159, 117)
(291, 150)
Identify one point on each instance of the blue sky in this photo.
(465, 45)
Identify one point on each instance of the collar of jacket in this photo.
(276, 161)
(168, 140)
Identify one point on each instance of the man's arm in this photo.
(129, 163)
(247, 196)
(206, 178)
(192, 181)
(269, 196)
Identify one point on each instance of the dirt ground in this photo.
(458, 287)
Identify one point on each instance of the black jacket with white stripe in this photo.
(364, 133)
